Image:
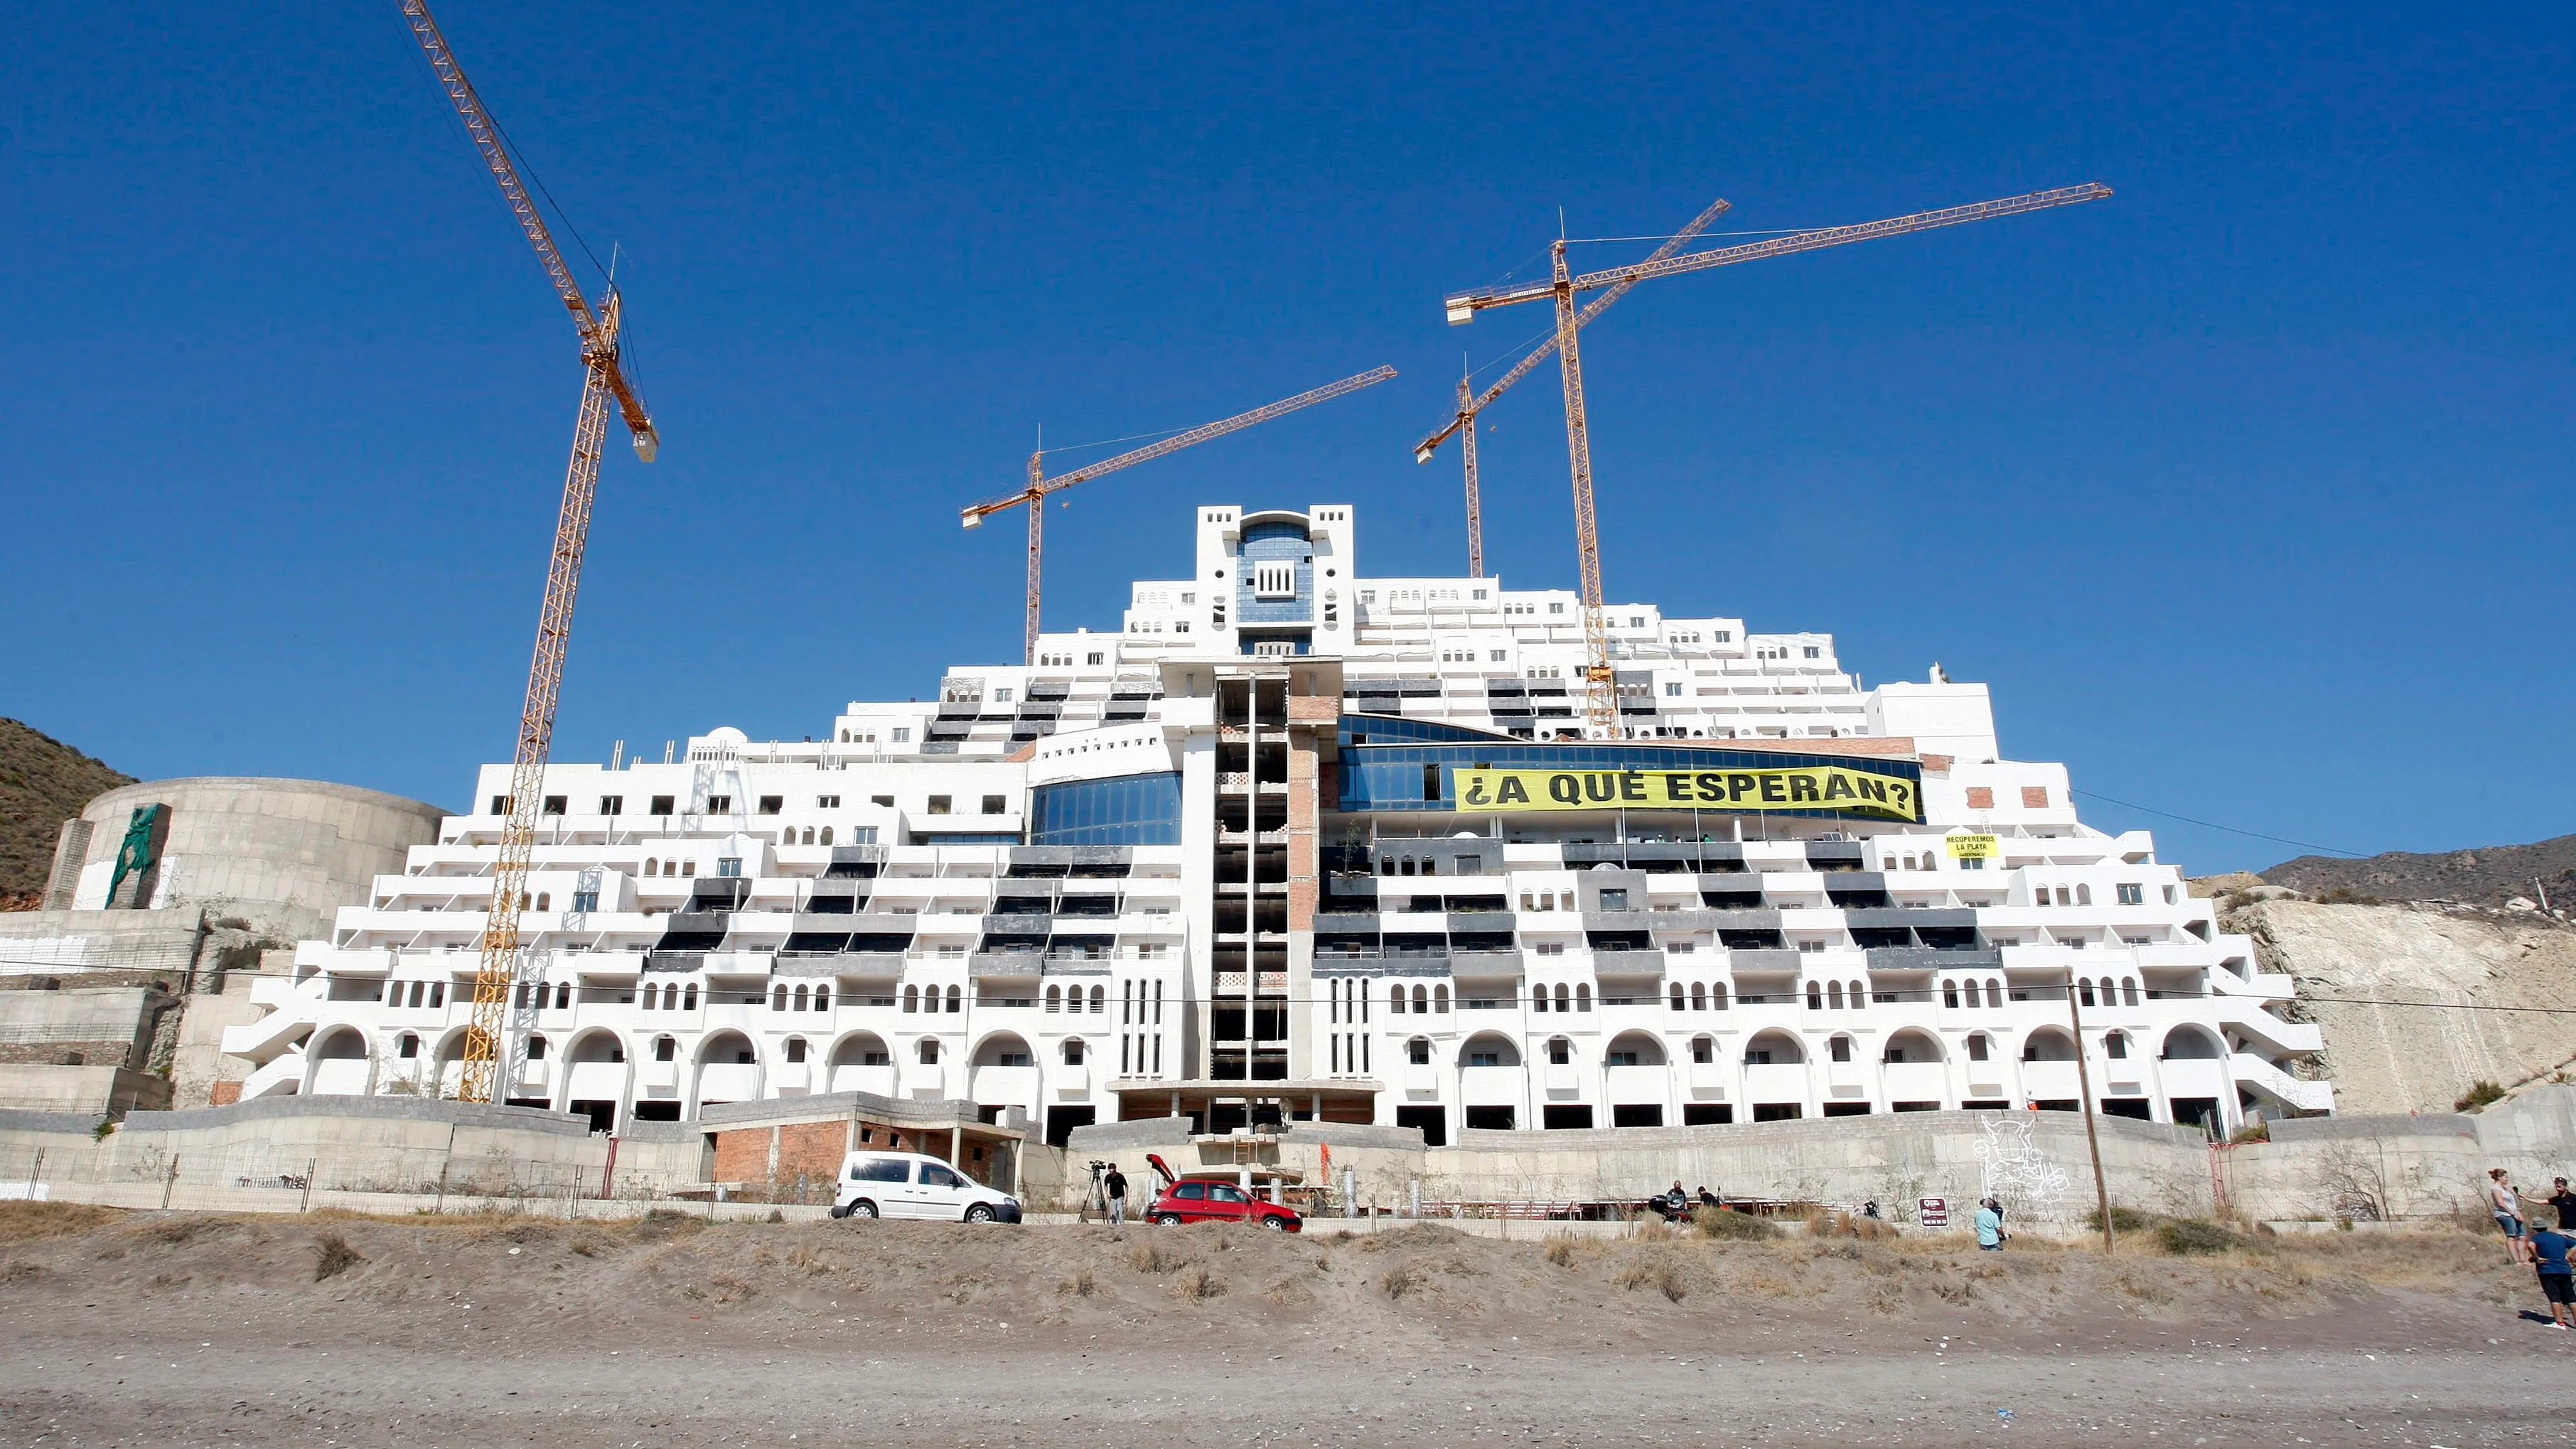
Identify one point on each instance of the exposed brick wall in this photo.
(743, 1156)
(2034, 797)
(811, 1149)
(1981, 797)
(224, 1094)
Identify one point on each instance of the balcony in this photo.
(1608, 962)
(2252, 1071)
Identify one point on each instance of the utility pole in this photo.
(2092, 1138)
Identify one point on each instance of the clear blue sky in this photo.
(2247, 490)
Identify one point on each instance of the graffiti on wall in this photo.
(2012, 1169)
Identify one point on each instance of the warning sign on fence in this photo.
(1932, 1212)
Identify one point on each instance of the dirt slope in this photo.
(43, 782)
(176, 1329)
(2489, 875)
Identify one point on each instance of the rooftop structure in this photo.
(1297, 842)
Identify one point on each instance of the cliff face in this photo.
(2401, 1058)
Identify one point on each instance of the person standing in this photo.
(1114, 1187)
(2557, 1278)
(2506, 1204)
(2565, 1201)
(1990, 1226)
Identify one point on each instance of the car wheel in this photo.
(861, 1209)
(1167, 1220)
(980, 1213)
(1275, 1223)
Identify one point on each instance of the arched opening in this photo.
(778, 999)
(594, 1078)
(2048, 1044)
(1950, 993)
(1003, 1073)
(728, 1070)
(928, 1051)
(2128, 991)
(1560, 1052)
(1440, 1000)
(2115, 1045)
(1073, 1051)
(337, 1064)
(1703, 1051)
(2191, 1044)
(1634, 1079)
(1491, 1086)
(1911, 1045)
(1774, 1048)
(912, 998)
(827, 835)
(861, 1063)
(1054, 1000)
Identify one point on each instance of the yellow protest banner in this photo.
(1975, 847)
(1799, 787)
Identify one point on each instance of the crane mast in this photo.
(1034, 496)
(1601, 702)
(1462, 424)
(605, 383)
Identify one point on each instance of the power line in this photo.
(2230, 829)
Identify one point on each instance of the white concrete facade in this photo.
(1157, 870)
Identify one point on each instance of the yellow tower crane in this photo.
(1601, 688)
(605, 379)
(1034, 496)
(1462, 424)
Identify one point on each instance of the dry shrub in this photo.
(1839, 1224)
(1150, 1258)
(2145, 1285)
(1198, 1285)
(730, 1289)
(1728, 1224)
(1659, 1269)
(812, 1263)
(180, 1229)
(2431, 1257)
(663, 1223)
(1079, 1284)
(589, 1246)
(1560, 1251)
(2184, 1237)
(1405, 1277)
(1285, 1292)
(18, 1273)
(333, 1256)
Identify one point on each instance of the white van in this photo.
(915, 1185)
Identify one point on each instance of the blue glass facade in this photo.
(1274, 542)
(1126, 810)
(1417, 777)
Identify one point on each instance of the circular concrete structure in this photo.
(286, 853)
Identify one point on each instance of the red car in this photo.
(1214, 1199)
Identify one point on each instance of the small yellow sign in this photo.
(1802, 787)
(1976, 847)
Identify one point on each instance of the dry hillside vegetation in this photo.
(43, 782)
(2488, 875)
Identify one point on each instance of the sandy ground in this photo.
(151, 1328)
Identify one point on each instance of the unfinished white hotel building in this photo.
(1289, 844)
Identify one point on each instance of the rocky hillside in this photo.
(43, 782)
(2489, 876)
(2440, 982)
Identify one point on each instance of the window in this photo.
(1815, 653)
(719, 804)
(929, 1051)
(1839, 1049)
(1002, 696)
(665, 1048)
(1672, 687)
(1623, 1057)
(556, 805)
(1073, 1052)
(827, 802)
(996, 804)
(1977, 1047)
(796, 1048)
(902, 734)
(1559, 1051)
(938, 805)
(662, 805)
(1418, 1051)
(536, 1048)
(612, 804)
(884, 800)
(585, 901)
(408, 1047)
(934, 1175)
(1703, 1051)
(2116, 1046)
(1613, 899)
(770, 804)
(1484, 1058)
(2133, 895)
(1556, 606)
(500, 805)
